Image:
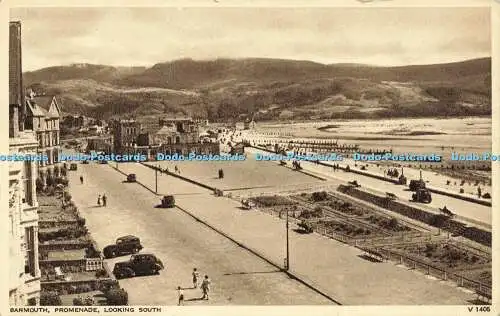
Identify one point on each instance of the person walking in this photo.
(196, 277)
(104, 199)
(205, 287)
(99, 200)
(81, 179)
(181, 296)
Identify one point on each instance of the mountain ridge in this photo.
(229, 89)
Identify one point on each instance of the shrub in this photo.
(107, 285)
(101, 273)
(117, 297)
(50, 191)
(81, 221)
(78, 301)
(50, 299)
(67, 196)
(39, 184)
(62, 180)
(50, 180)
(319, 196)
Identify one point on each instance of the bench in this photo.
(374, 254)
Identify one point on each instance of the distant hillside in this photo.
(228, 89)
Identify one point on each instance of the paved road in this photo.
(182, 243)
(333, 266)
(466, 209)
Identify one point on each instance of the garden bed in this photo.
(272, 200)
(363, 214)
(443, 255)
(348, 230)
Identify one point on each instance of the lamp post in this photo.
(287, 259)
(156, 179)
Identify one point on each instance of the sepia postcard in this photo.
(267, 157)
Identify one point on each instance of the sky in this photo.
(146, 36)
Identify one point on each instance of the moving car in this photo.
(124, 245)
(139, 264)
(131, 177)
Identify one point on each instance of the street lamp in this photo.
(287, 259)
(156, 179)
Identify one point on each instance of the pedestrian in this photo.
(181, 296)
(99, 200)
(196, 277)
(205, 287)
(176, 169)
(104, 199)
(81, 179)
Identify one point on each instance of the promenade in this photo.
(333, 267)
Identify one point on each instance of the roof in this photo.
(165, 130)
(42, 105)
(128, 237)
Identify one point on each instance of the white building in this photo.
(24, 271)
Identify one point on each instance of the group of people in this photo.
(204, 286)
(103, 198)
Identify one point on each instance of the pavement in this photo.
(238, 277)
(331, 266)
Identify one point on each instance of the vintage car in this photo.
(139, 264)
(131, 177)
(124, 245)
(73, 167)
(168, 201)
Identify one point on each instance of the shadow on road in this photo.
(256, 272)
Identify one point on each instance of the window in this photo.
(30, 261)
(28, 183)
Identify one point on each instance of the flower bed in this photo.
(444, 255)
(275, 200)
(348, 230)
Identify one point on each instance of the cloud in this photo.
(145, 36)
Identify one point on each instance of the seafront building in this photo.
(24, 271)
(168, 135)
(43, 116)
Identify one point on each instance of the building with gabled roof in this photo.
(43, 115)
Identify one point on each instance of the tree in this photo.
(117, 297)
(50, 299)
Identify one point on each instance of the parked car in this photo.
(139, 264)
(123, 246)
(131, 177)
(73, 167)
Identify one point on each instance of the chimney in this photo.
(16, 91)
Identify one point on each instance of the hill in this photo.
(229, 89)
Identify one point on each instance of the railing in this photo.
(434, 271)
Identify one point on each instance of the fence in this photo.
(433, 271)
